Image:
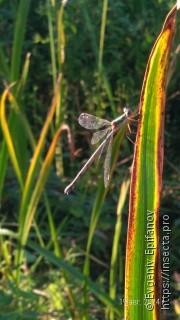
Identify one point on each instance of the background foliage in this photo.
(87, 86)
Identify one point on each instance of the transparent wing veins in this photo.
(91, 122)
(99, 135)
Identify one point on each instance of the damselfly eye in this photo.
(127, 111)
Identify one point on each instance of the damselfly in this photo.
(91, 122)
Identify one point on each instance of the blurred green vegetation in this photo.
(78, 228)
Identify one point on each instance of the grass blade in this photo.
(20, 28)
(35, 196)
(36, 156)
(77, 276)
(8, 139)
(115, 248)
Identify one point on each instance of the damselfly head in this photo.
(127, 111)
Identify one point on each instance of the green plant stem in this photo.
(102, 35)
(52, 44)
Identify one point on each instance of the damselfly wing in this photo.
(91, 122)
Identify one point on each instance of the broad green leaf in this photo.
(143, 281)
